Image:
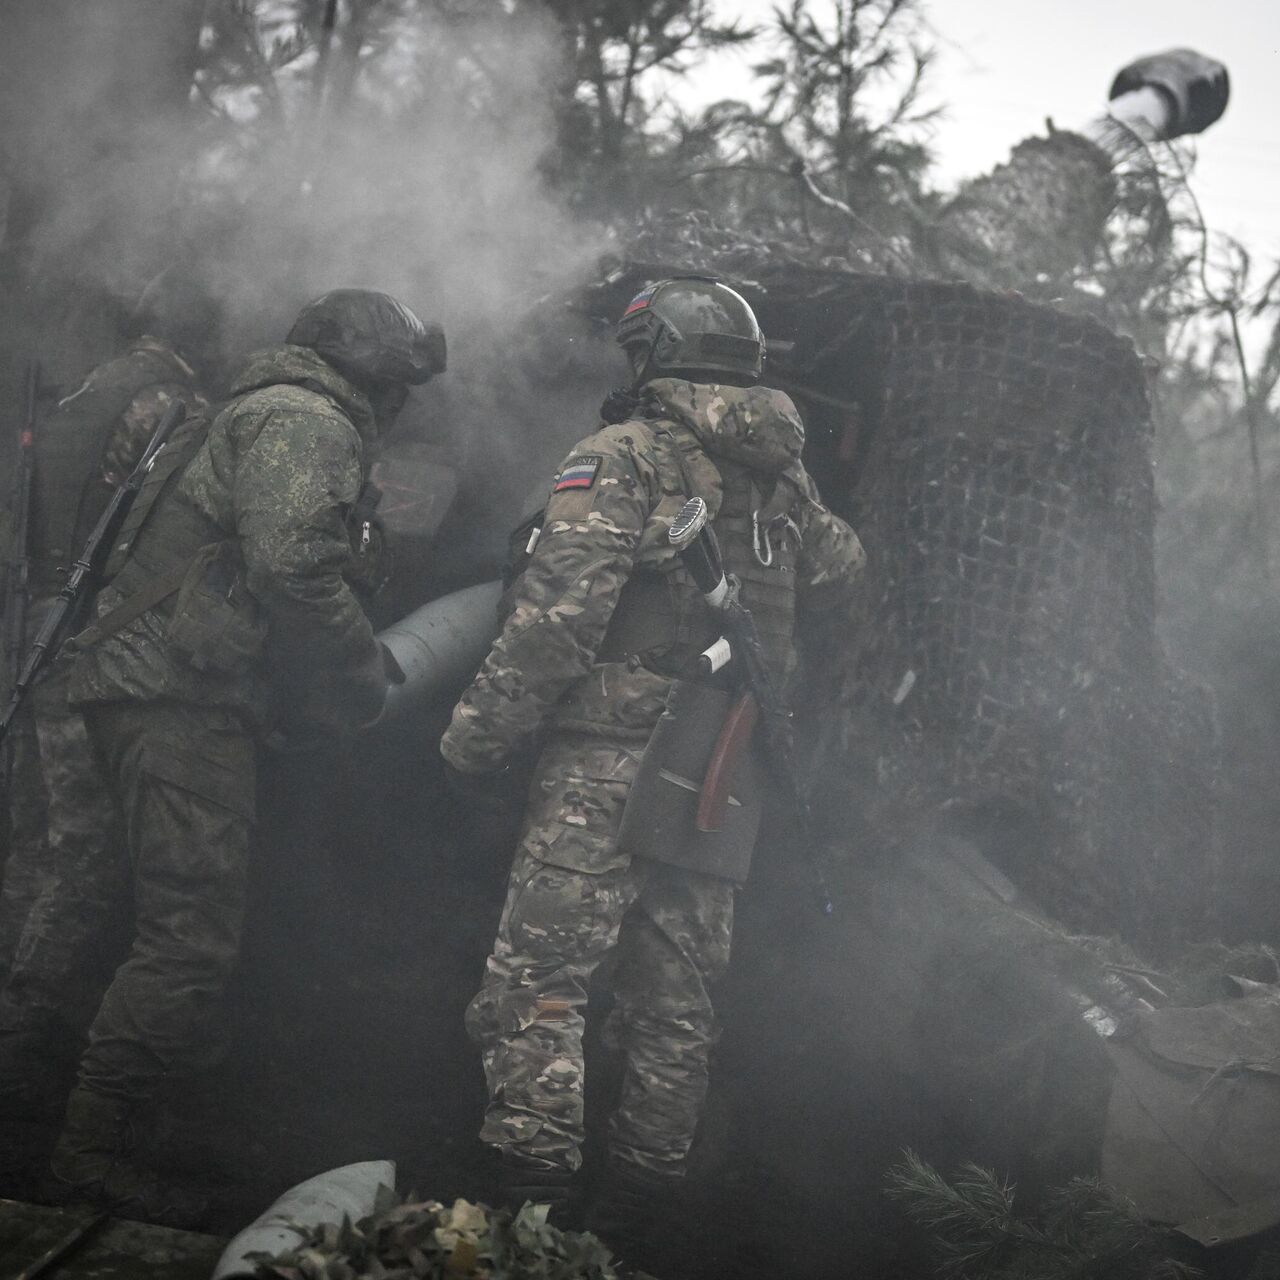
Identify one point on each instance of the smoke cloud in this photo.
(268, 164)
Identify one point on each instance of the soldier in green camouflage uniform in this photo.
(604, 618)
(228, 611)
(63, 820)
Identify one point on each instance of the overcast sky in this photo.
(1004, 65)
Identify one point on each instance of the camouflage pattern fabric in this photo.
(281, 464)
(133, 390)
(91, 441)
(593, 539)
(271, 482)
(62, 818)
(185, 779)
(573, 899)
(574, 895)
(63, 884)
(28, 812)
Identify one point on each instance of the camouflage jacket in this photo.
(90, 443)
(608, 515)
(278, 470)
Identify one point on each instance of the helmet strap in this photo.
(646, 370)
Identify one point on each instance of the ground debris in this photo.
(424, 1240)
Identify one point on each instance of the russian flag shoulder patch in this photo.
(640, 301)
(578, 473)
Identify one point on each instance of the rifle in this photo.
(693, 537)
(16, 591)
(83, 573)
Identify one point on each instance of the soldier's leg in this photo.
(673, 948)
(556, 928)
(186, 779)
(568, 892)
(28, 815)
(59, 955)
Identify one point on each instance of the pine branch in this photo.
(1085, 1231)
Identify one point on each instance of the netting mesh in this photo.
(1005, 646)
(1002, 660)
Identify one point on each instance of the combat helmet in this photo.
(691, 323)
(370, 337)
(178, 307)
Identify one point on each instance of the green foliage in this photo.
(423, 1240)
(1084, 1231)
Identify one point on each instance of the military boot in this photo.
(528, 1180)
(629, 1212)
(93, 1162)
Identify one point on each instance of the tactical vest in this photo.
(663, 622)
(69, 491)
(171, 558)
(661, 619)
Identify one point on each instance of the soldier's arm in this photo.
(290, 490)
(831, 556)
(594, 520)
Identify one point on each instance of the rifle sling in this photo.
(133, 607)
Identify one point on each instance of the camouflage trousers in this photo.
(184, 779)
(574, 898)
(64, 826)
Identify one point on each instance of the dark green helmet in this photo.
(370, 337)
(178, 307)
(691, 324)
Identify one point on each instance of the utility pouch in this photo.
(660, 818)
(215, 624)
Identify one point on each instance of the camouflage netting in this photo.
(424, 1240)
(1007, 647)
(996, 458)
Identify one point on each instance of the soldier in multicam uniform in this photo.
(228, 611)
(62, 817)
(604, 620)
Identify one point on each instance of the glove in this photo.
(494, 793)
(1197, 86)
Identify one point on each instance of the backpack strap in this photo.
(172, 459)
(134, 606)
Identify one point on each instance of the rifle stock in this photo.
(693, 537)
(732, 744)
(76, 586)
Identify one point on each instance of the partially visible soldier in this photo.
(228, 613)
(604, 620)
(62, 818)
